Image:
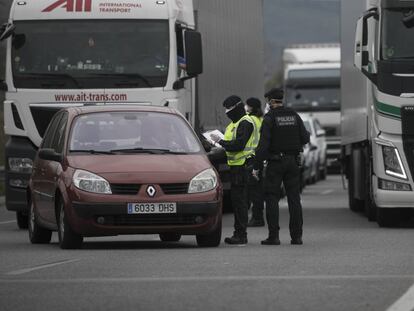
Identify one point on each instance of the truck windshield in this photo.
(90, 54)
(398, 37)
(132, 132)
(313, 98)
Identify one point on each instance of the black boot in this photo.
(271, 241)
(236, 240)
(296, 241)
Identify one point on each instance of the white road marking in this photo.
(327, 192)
(214, 278)
(27, 270)
(7, 222)
(405, 303)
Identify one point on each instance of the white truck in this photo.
(74, 52)
(377, 100)
(312, 82)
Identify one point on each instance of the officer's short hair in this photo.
(275, 93)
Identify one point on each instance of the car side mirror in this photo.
(313, 147)
(50, 154)
(6, 30)
(217, 155)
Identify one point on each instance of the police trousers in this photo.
(255, 194)
(284, 170)
(238, 193)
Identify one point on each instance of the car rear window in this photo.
(106, 131)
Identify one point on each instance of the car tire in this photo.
(388, 217)
(68, 239)
(22, 220)
(170, 237)
(212, 239)
(37, 234)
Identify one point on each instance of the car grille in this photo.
(125, 189)
(149, 220)
(174, 188)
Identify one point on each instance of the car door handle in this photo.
(42, 171)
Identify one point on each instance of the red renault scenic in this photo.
(110, 170)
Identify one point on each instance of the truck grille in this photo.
(42, 117)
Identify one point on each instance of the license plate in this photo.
(152, 208)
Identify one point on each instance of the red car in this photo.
(110, 170)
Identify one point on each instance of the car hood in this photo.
(142, 168)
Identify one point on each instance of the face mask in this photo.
(267, 107)
(247, 108)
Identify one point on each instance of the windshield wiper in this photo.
(148, 150)
(123, 75)
(91, 151)
(65, 76)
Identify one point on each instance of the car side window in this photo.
(50, 132)
(59, 138)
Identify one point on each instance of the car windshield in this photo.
(135, 132)
(398, 36)
(90, 54)
(313, 98)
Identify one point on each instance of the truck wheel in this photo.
(170, 237)
(210, 240)
(323, 173)
(22, 220)
(68, 239)
(37, 234)
(388, 217)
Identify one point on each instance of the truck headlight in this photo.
(392, 162)
(205, 181)
(90, 182)
(393, 185)
(21, 165)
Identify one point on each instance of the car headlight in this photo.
(205, 181)
(392, 162)
(90, 182)
(21, 165)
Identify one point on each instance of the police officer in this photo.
(238, 142)
(255, 196)
(282, 138)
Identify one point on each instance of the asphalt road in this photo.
(346, 263)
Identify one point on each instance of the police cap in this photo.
(275, 93)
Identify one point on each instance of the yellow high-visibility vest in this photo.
(238, 158)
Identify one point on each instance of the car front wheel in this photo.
(37, 234)
(210, 240)
(68, 239)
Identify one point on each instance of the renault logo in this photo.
(151, 191)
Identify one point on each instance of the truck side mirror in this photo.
(193, 53)
(50, 154)
(361, 52)
(6, 30)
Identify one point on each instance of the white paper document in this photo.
(207, 135)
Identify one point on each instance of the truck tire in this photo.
(170, 237)
(37, 234)
(22, 220)
(388, 217)
(212, 239)
(68, 239)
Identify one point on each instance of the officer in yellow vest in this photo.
(255, 195)
(240, 141)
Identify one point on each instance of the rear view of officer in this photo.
(283, 136)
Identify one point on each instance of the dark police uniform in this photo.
(282, 138)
